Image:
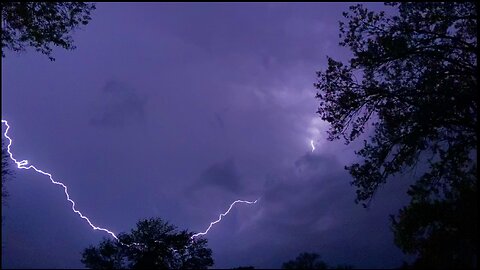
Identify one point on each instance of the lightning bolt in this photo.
(24, 165)
(221, 216)
(313, 146)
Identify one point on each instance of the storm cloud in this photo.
(120, 105)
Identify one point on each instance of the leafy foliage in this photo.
(6, 171)
(418, 89)
(413, 78)
(42, 24)
(154, 244)
(444, 233)
(307, 260)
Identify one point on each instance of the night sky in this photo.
(175, 111)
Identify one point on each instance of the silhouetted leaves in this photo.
(310, 261)
(154, 244)
(413, 77)
(442, 232)
(305, 261)
(7, 171)
(42, 24)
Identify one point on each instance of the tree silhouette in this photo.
(7, 171)
(154, 244)
(444, 233)
(307, 260)
(413, 78)
(42, 24)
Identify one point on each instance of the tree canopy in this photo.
(308, 260)
(413, 79)
(305, 261)
(153, 244)
(7, 171)
(42, 24)
(444, 233)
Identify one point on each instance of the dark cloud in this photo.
(219, 120)
(120, 105)
(222, 175)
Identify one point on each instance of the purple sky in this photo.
(176, 110)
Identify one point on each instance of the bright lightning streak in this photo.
(23, 165)
(313, 146)
(220, 217)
